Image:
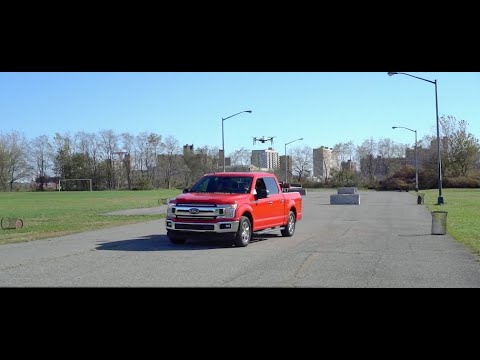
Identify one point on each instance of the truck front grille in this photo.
(194, 227)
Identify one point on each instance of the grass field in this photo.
(463, 218)
(51, 214)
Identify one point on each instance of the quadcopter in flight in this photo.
(263, 139)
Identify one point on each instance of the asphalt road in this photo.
(384, 242)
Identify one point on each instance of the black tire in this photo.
(175, 239)
(244, 232)
(289, 230)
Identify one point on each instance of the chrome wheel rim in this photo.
(291, 223)
(245, 232)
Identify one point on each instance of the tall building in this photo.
(265, 159)
(324, 161)
(228, 160)
(288, 162)
(187, 149)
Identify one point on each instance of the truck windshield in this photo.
(223, 184)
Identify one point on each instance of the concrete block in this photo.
(347, 190)
(345, 199)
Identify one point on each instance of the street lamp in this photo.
(416, 161)
(440, 197)
(286, 159)
(223, 142)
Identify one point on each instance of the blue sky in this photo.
(324, 108)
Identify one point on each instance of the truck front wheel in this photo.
(244, 233)
(289, 230)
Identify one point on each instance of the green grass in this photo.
(463, 218)
(51, 214)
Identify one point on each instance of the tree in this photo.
(62, 155)
(169, 161)
(41, 152)
(128, 141)
(241, 157)
(302, 159)
(109, 145)
(366, 155)
(463, 149)
(390, 152)
(3, 163)
(16, 151)
(345, 151)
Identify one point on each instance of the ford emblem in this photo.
(194, 211)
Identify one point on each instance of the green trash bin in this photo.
(439, 222)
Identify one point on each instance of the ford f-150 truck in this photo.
(232, 205)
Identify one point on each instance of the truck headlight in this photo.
(230, 210)
(170, 209)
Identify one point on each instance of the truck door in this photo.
(269, 206)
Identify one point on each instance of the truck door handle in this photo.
(281, 201)
(270, 202)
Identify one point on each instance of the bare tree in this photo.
(302, 158)
(17, 166)
(41, 152)
(345, 151)
(390, 153)
(128, 144)
(109, 145)
(154, 146)
(241, 159)
(366, 157)
(169, 161)
(3, 163)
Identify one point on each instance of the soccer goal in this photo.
(77, 185)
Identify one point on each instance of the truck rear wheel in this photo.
(244, 233)
(289, 229)
(175, 239)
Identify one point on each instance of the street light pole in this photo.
(223, 141)
(286, 159)
(440, 197)
(416, 161)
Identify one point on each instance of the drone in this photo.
(263, 139)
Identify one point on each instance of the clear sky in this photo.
(324, 108)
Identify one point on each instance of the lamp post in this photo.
(286, 159)
(416, 161)
(223, 142)
(440, 197)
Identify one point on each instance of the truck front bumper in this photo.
(218, 227)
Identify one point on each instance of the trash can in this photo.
(439, 222)
(420, 198)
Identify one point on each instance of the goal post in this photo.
(65, 182)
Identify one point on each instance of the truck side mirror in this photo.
(185, 191)
(261, 194)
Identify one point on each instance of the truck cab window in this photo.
(271, 184)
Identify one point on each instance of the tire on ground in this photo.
(244, 232)
(289, 229)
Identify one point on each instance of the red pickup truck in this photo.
(232, 205)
